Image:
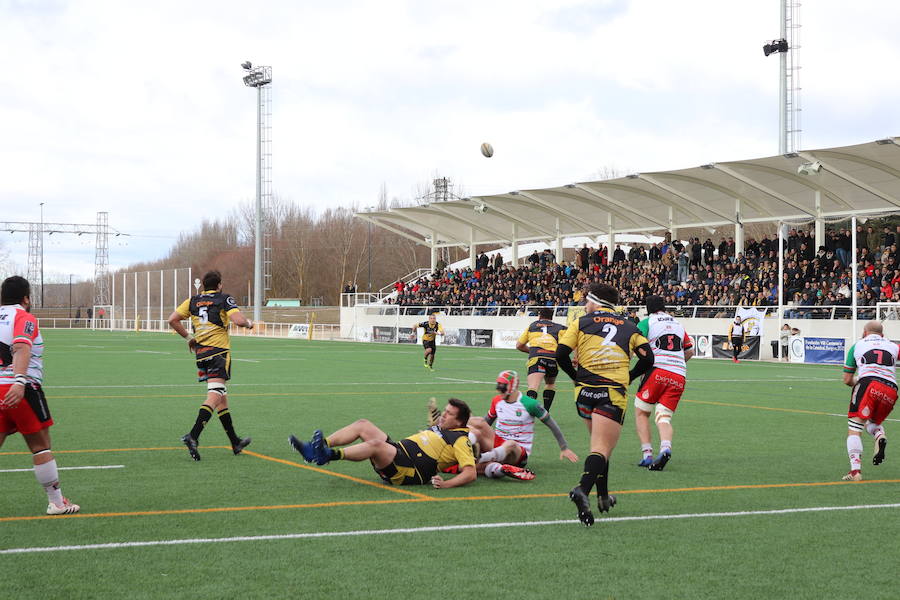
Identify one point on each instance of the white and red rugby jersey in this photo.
(17, 325)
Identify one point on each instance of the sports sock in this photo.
(595, 467)
(647, 450)
(854, 451)
(876, 431)
(493, 470)
(665, 446)
(228, 426)
(548, 399)
(47, 476)
(531, 394)
(336, 453)
(203, 417)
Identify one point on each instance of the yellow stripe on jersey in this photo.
(541, 337)
(430, 331)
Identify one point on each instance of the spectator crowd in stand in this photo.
(695, 274)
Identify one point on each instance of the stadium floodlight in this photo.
(809, 168)
(775, 46)
(481, 208)
(260, 78)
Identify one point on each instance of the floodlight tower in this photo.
(787, 47)
(261, 79)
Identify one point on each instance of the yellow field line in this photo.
(427, 498)
(778, 409)
(116, 450)
(341, 475)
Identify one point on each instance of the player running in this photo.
(663, 385)
(539, 342)
(210, 313)
(432, 329)
(605, 342)
(511, 438)
(416, 459)
(870, 371)
(23, 407)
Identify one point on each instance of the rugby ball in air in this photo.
(487, 150)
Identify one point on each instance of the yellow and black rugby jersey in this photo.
(574, 313)
(209, 315)
(431, 331)
(448, 448)
(604, 341)
(541, 337)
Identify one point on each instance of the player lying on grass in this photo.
(870, 370)
(508, 430)
(414, 460)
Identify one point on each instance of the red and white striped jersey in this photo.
(873, 356)
(515, 420)
(17, 325)
(668, 339)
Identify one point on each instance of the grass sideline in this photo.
(753, 437)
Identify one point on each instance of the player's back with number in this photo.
(604, 341)
(208, 313)
(874, 356)
(668, 339)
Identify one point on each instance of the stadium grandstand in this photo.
(546, 244)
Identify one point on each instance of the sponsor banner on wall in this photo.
(702, 346)
(406, 335)
(506, 338)
(823, 350)
(481, 338)
(796, 349)
(451, 337)
(384, 335)
(721, 347)
(299, 330)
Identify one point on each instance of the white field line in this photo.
(365, 532)
(151, 352)
(262, 384)
(64, 468)
(464, 380)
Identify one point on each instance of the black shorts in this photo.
(737, 342)
(546, 365)
(430, 344)
(411, 466)
(213, 363)
(607, 401)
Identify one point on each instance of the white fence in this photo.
(316, 331)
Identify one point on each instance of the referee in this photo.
(736, 333)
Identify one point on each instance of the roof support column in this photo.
(434, 251)
(820, 222)
(612, 238)
(672, 229)
(738, 229)
(559, 243)
(515, 245)
(472, 255)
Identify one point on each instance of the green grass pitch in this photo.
(748, 437)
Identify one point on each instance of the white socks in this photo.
(47, 476)
(854, 451)
(647, 450)
(493, 470)
(665, 446)
(876, 431)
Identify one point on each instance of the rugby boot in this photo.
(67, 508)
(580, 499)
(605, 503)
(646, 461)
(243, 443)
(879, 451)
(660, 463)
(304, 448)
(852, 476)
(320, 448)
(191, 444)
(517, 472)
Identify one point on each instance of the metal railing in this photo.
(405, 279)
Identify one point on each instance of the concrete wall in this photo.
(357, 323)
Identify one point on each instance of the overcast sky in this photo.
(137, 108)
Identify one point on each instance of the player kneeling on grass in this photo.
(663, 385)
(508, 430)
(23, 407)
(415, 460)
(870, 371)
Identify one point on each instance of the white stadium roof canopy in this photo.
(802, 186)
